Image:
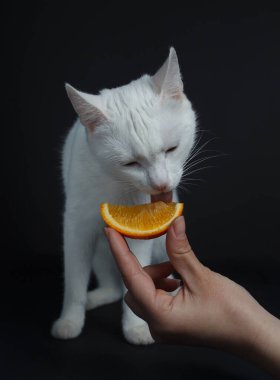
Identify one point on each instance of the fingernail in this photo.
(106, 230)
(179, 227)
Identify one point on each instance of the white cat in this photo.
(128, 146)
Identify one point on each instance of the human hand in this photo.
(208, 309)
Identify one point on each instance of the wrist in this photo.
(260, 342)
(265, 347)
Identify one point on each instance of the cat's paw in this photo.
(66, 328)
(138, 335)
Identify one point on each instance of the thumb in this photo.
(181, 254)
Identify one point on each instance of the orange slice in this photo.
(145, 221)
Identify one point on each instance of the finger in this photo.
(134, 306)
(181, 254)
(168, 284)
(137, 281)
(158, 271)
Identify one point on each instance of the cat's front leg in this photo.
(135, 330)
(79, 237)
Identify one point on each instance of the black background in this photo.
(229, 58)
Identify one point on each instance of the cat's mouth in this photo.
(164, 197)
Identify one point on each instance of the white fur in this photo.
(138, 122)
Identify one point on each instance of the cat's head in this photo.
(143, 132)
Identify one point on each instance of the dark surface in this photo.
(28, 351)
(229, 56)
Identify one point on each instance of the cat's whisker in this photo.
(203, 168)
(186, 182)
(185, 175)
(193, 149)
(212, 151)
(189, 184)
(192, 163)
(194, 152)
(203, 131)
(192, 179)
(184, 189)
(198, 161)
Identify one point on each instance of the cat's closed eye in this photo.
(171, 149)
(132, 164)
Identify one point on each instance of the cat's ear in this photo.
(90, 115)
(167, 79)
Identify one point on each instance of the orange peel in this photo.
(146, 221)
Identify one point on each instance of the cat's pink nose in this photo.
(160, 187)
